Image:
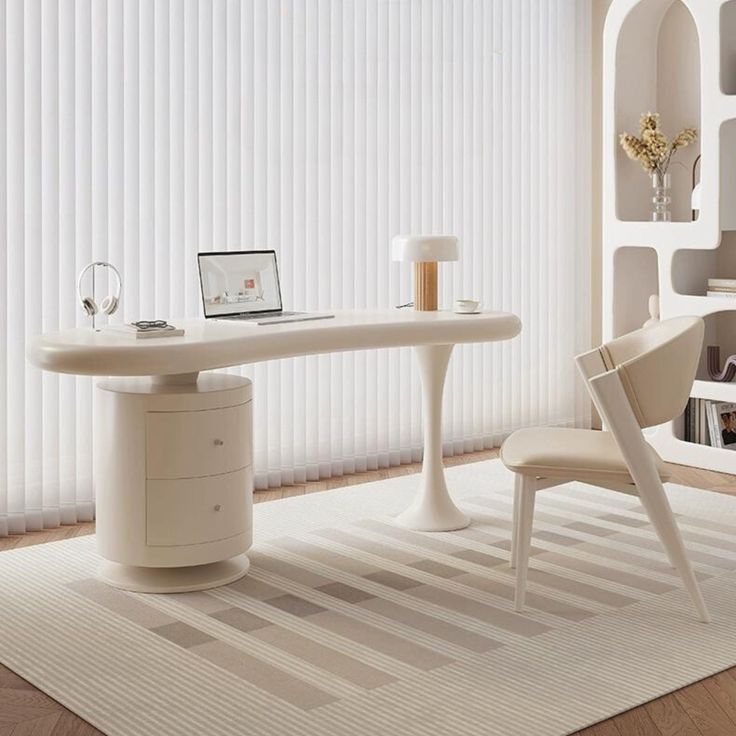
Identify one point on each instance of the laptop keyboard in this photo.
(263, 315)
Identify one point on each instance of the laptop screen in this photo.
(239, 282)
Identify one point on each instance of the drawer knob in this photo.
(219, 443)
(217, 507)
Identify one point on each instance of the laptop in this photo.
(244, 285)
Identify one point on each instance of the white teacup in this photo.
(466, 306)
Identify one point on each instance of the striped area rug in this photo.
(350, 625)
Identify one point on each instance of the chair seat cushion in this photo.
(578, 454)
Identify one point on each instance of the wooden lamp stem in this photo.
(425, 286)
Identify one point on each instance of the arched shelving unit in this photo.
(676, 57)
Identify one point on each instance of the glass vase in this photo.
(661, 197)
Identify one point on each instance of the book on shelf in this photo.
(721, 294)
(713, 426)
(721, 288)
(136, 333)
(696, 426)
(711, 423)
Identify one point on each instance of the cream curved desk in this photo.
(173, 463)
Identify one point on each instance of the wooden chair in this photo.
(639, 380)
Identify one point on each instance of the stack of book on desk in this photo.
(722, 288)
(138, 333)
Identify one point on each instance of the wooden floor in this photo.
(706, 708)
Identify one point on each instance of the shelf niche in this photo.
(635, 280)
(720, 329)
(691, 269)
(659, 77)
(727, 137)
(728, 48)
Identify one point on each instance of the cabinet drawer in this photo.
(191, 444)
(198, 510)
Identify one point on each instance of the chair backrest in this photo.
(657, 366)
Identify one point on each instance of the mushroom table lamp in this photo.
(425, 251)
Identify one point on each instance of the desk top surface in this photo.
(210, 344)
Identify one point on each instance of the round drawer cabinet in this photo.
(175, 509)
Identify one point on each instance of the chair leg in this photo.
(654, 500)
(527, 493)
(518, 480)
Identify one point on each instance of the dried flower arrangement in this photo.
(653, 150)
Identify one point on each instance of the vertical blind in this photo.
(144, 131)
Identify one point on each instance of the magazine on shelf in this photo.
(722, 424)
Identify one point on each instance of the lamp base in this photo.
(425, 286)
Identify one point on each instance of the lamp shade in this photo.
(425, 248)
(696, 198)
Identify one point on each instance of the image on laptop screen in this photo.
(239, 282)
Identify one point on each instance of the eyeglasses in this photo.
(153, 324)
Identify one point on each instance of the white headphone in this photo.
(111, 302)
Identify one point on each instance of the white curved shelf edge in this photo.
(690, 453)
(695, 305)
(668, 237)
(714, 390)
(211, 344)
